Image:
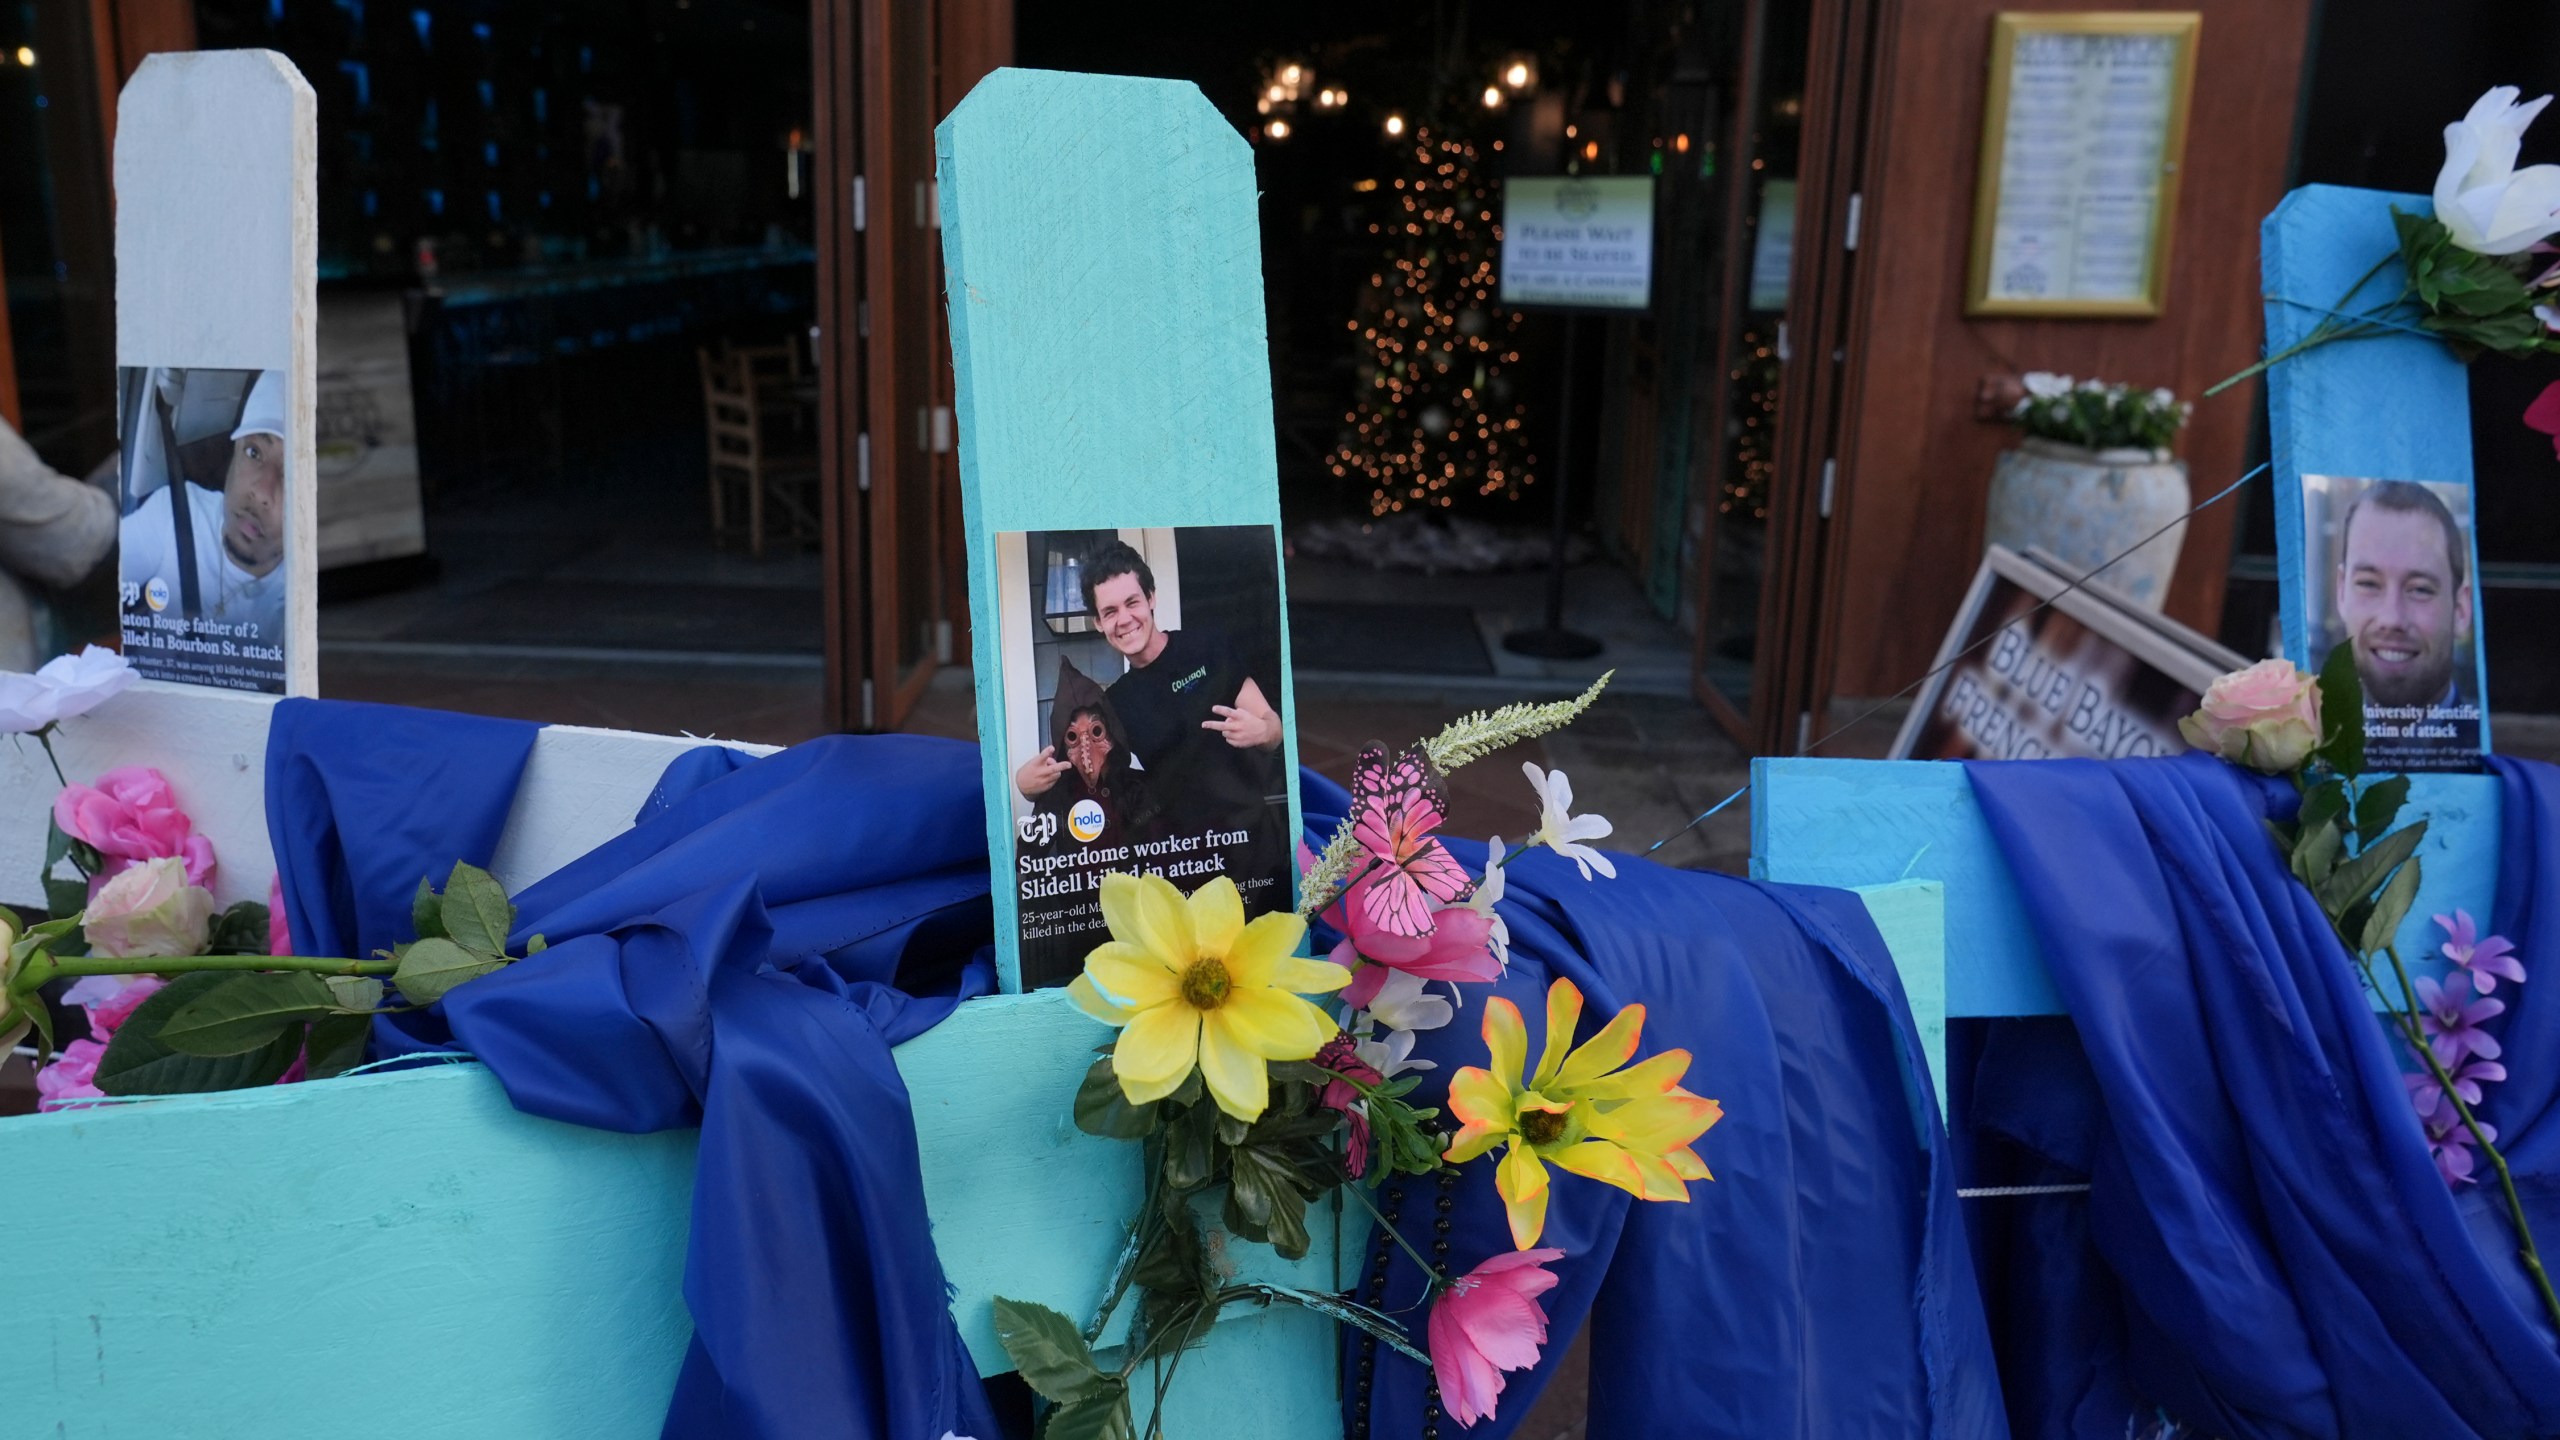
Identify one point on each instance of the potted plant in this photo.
(2092, 476)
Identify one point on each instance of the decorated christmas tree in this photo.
(1436, 415)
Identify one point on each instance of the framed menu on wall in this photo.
(2082, 132)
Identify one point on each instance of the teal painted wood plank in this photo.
(418, 1213)
(384, 1255)
(1911, 916)
(1101, 245)
(1867, 822)
(2392, 406)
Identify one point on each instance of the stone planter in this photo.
(2085, 507)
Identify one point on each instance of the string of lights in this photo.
(1435, 416)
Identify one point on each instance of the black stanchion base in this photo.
(1551, 644)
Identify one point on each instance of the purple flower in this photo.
(2427, 1097)
(2487, 961)
(2449, 1145)
(2451, 1018)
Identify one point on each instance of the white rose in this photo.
(149, 909)
(2045, 385)
(67, 685)
(2487, 204)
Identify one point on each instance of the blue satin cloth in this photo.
(2280, 1254)
(1820, 1286)
(742, 961)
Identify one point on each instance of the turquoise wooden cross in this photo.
(2390, 406)
(388, 1232)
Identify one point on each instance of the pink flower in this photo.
(2544, 413)
(73, 1075)
(1459, 947)
(1487, 1322)
(111, 1000)
(2266, 717)
(149, 909)
(132, 815)
(1341, 1055)
(2488, 961)
(279, 935)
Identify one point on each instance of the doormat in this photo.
(1378, 639)
(719, 618)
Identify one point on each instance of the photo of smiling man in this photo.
(1143, 736)
(202, 539)
(2393, 577)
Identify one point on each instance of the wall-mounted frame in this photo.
(2084, 127)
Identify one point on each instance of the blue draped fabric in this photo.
(2285, 1258)
(740, 961)
(1820, 1286)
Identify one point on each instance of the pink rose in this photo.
(149, 910)
(2266, 717)
(131, 814)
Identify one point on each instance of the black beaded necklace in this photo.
(1374, 1294)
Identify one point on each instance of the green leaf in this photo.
(535, 946)
(240, 930)
(244, 1011)
(2341, 712)
(431, 968)
(2316, 853)
(1101, 1416)
(64, 899)
(57, 844)
(2324, 801)
(137, 1063)
(1046, 1348)
(355, 992)
(1190, 1148)
(2391, 908)
(2358, 878)
(426, 912)
(475, 910)
(1103, 1108)
(2378, 806)
(336, 1044)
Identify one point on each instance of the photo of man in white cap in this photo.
(228, 563)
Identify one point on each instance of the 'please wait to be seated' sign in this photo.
(1581, 242)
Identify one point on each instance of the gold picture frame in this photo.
(1984, 297)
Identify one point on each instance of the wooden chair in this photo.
(742, 455)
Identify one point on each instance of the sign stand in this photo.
(1552, 641)
(1572, 243)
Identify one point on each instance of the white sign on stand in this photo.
(1578, 242)
(217, 244)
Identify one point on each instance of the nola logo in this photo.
(1037, 828)
(1085, 820)
(156, 594)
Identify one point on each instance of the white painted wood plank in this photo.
(580, 789)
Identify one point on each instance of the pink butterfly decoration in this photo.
(1394, 809)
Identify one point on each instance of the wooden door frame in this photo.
(1791, 678)
(1731, 296)
(836, 126)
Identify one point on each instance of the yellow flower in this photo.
(1191, 983)
(1630, 1128)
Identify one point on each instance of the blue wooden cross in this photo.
(2392, 406)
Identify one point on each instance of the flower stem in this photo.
(2416, 1037)
(1438, 1280)
(187, 964)
(44, 737)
